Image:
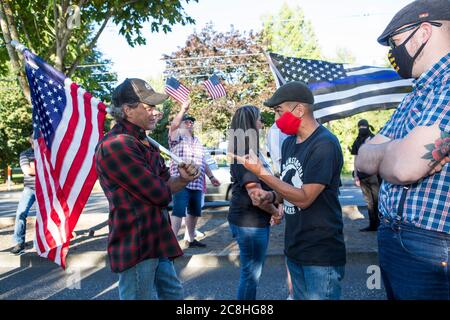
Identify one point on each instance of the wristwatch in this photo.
(274, 200)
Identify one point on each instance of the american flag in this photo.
(176, 90)
(342, 90)
(67, 122)
(214, 87)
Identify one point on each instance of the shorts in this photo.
(187, 199)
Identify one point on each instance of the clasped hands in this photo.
(261, 197)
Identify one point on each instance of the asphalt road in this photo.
(199, 283)
(97, 202)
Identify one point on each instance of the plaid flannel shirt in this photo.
(427, 203)
(188, 148)
(134, 178)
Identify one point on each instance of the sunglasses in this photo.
(391, 42)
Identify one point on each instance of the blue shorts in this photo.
(187, 199)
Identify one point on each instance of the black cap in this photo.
(136, 90)
(291, 91)
(188, 117)
(363, 123)
(417, 11)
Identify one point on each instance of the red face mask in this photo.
(288, 123)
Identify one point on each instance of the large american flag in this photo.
(342, 90)
(214, 87)
(176, 90)
(68, 122)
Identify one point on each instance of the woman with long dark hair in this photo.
(249, 224)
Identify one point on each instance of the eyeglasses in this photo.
(391, 42)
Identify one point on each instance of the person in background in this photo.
(27, 198)
(188, 201)
(275, 139)
(369, 184)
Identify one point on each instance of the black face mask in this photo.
(363, 132)
(400, 59)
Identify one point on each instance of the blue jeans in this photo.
(315, 282)
(187, 198)
(23, 209)
(140, 281)
(413, 262)
(253, 244)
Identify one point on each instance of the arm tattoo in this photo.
(438, 150)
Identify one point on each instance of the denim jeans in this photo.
(23, 209)
(253, 244)
(315, 282)
(413, 262)
(150, 279)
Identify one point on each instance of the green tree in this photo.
(15, 124)
(51, 30)
(346, 130)
(343, 55)
(235, 57)
(289, 33)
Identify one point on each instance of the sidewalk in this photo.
(88, 248)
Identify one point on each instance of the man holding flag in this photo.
(141, 243)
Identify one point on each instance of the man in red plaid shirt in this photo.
(132, 173)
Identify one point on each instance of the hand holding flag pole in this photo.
(19, 47)
(164, 150)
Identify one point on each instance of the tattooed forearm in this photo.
(438, 150)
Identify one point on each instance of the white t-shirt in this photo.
(275, 139)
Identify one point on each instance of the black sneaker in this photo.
(18, 249)
(196, 243)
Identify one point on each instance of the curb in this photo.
(9, 221)
(100, 260)
(79, 258)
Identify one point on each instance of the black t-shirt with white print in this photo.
(314, 236)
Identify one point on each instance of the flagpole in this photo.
(276, 74)
(164, 150)
(18, 46)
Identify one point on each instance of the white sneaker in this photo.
(198, 234)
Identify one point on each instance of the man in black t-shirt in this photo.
(309, 186)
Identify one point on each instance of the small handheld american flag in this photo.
(214, 87)
(176, 90)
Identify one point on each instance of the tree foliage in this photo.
(15, 123)
(289, 33)
(347, 130)
(238, 59)
(45, 27)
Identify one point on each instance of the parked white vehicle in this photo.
(217, 161)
